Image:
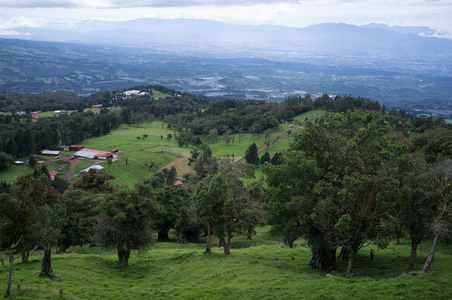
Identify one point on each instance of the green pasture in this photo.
(157, 95)
(9, 175)
(138, 158)
(141, 156)
(310, 115)
(49, 114)
(256, 269)
(240, 144)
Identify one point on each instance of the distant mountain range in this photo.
(397, 65)
(328, 41)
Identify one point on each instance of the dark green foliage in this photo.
(265, 157)
(77, 215)
(32, 162)
(5, 160)
(251, 155)
(336, 184)
(125, 223)
(95, 181)
(275, 160)
(171, 178)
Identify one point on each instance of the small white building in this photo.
(95, 167)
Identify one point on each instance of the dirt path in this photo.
(74, 164)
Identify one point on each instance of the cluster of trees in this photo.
(36, 213)
(347, 181)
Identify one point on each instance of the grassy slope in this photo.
(153, 149)
(311, 115)
(137, 152)
(258, 269)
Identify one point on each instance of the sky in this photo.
(435, 14)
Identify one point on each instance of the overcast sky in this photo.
(297, 13)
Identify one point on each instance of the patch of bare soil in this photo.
(181, 165)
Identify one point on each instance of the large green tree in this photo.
(125, 223)
(336, 184)
(251, 155)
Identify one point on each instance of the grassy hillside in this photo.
(257, 269)
(140, 158)
(310, 115)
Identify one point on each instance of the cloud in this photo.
(198, 3)
(138, 3)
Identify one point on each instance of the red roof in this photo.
(178, 182)
(52, 175)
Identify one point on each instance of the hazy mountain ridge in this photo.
(203, 35)
(243, 62)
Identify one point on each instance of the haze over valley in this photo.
(399, 66)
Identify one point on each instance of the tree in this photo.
(95, 181)
(5, 160)
(219, 191)
(417, 203)
(205, 210)
(251, 155)
(28, 215)
(265, 157)
(336, 184)
(77, 216)
(32, 161)
(125, 223)
(171, 176)
(441, 223)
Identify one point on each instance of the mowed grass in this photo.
(138, 158)
(256, 269)
(9, 175)
(241, 144)
(310, 115)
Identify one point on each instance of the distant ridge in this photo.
(327, 38)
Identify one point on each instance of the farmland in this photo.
(139, 157)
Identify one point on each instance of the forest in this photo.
(360, 175)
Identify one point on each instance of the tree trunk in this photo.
(208, 239)
(163, 236)
(227, 246)
(287, 242)
(10, 277)
(430, 256)
(250, 233)
(25, 255)
(323, 260)
(414, 244)
(221, 242)
(351, 260)
(343, 255)
(46, 268)
(123, 258)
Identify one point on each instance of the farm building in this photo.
(49, 152)
(60, 112)
(19, 162)
(95, 167)
(178, 182)
(97, 105)
(93, 154)
(63, 148)
(75, 147)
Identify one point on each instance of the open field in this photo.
(139, 157)
(310, 115)
(256, 269)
